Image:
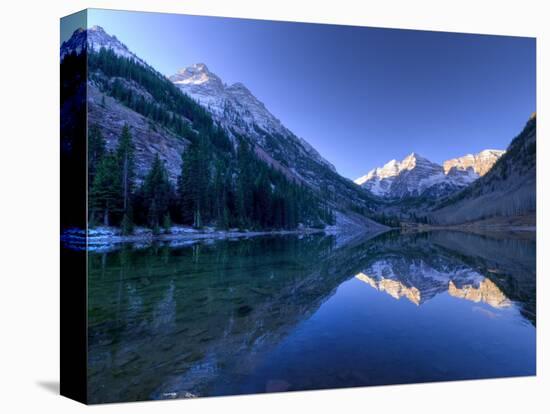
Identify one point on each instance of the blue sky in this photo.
(361, 96)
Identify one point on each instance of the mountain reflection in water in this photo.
(461, 283)
(295, 313)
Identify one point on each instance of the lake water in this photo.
(298, 313)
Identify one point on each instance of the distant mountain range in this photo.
(417, 176)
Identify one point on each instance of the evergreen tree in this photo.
(125, 155)
(156, 193)
(194, 184)
(105, 195)
(96, 150)
(127, 224)
(220, 195)
(244, 185)
(262, 201)
(166, 222)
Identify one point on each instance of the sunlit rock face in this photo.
(416, 176)
(486, 292)
(398, 179)
(480, 163)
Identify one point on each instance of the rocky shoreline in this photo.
(106, 238)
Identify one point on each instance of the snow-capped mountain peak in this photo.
(95, 38)
(196, 74)
(481, 162)
(390, 169)
(237, 109)
(393, 168)
(411, 161)
(238, 86)
(416, 175)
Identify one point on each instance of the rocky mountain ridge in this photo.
(481, 162)
(237, 109)
(415, 175)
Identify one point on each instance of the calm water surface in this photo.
(297, 313)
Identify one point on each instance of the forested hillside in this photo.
(218, 183)
(507, 190)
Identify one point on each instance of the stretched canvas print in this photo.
(254, 206)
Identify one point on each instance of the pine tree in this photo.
(157, 193)
(125, 155)
(96, 150)
(219, 192)
(105, 195)
(194, 185)
(166, 222)
(127, 224)
(244, 186)
(262, 201)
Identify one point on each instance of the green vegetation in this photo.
(387, 220)
(156, 194)
(106, 193)
(96, 150)
(163, 102)
(221, 183)
(211, 190)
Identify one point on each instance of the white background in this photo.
(29, 207)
